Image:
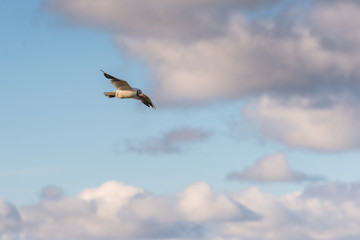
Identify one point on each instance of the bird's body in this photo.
(126, 93)
(124, 90)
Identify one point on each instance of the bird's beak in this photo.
(142, 95)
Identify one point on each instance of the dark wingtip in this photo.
(105, 74)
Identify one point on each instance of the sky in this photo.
(255, 135)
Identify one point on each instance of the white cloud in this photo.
(109, 196)
(199, 204)
(327, 124)
(117, 210)
(200, 51)
(235, 64)
(170, 142)
(273, 168)
(295, 217)
(327, 211)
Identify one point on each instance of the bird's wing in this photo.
(118, 83)
(147, 101)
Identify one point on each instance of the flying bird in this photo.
(124, 90)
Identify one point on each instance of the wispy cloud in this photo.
(273, 168)
(170, 142)
(28, 172)
(51, 193)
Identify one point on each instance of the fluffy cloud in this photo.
(199, 204)
(243, 61)
(203, 50)
(298, 216)
(169, 143)
(322, 211)
(117, 210)
(273, 168)
(327, 124)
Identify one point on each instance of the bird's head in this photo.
(139, 93)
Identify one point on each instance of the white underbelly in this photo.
(125, 94)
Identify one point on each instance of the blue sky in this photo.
(266, 90)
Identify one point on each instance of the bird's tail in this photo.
(109, 94)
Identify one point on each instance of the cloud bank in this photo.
(273, 168)
(116, 210)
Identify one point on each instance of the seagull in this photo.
(124, 90)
